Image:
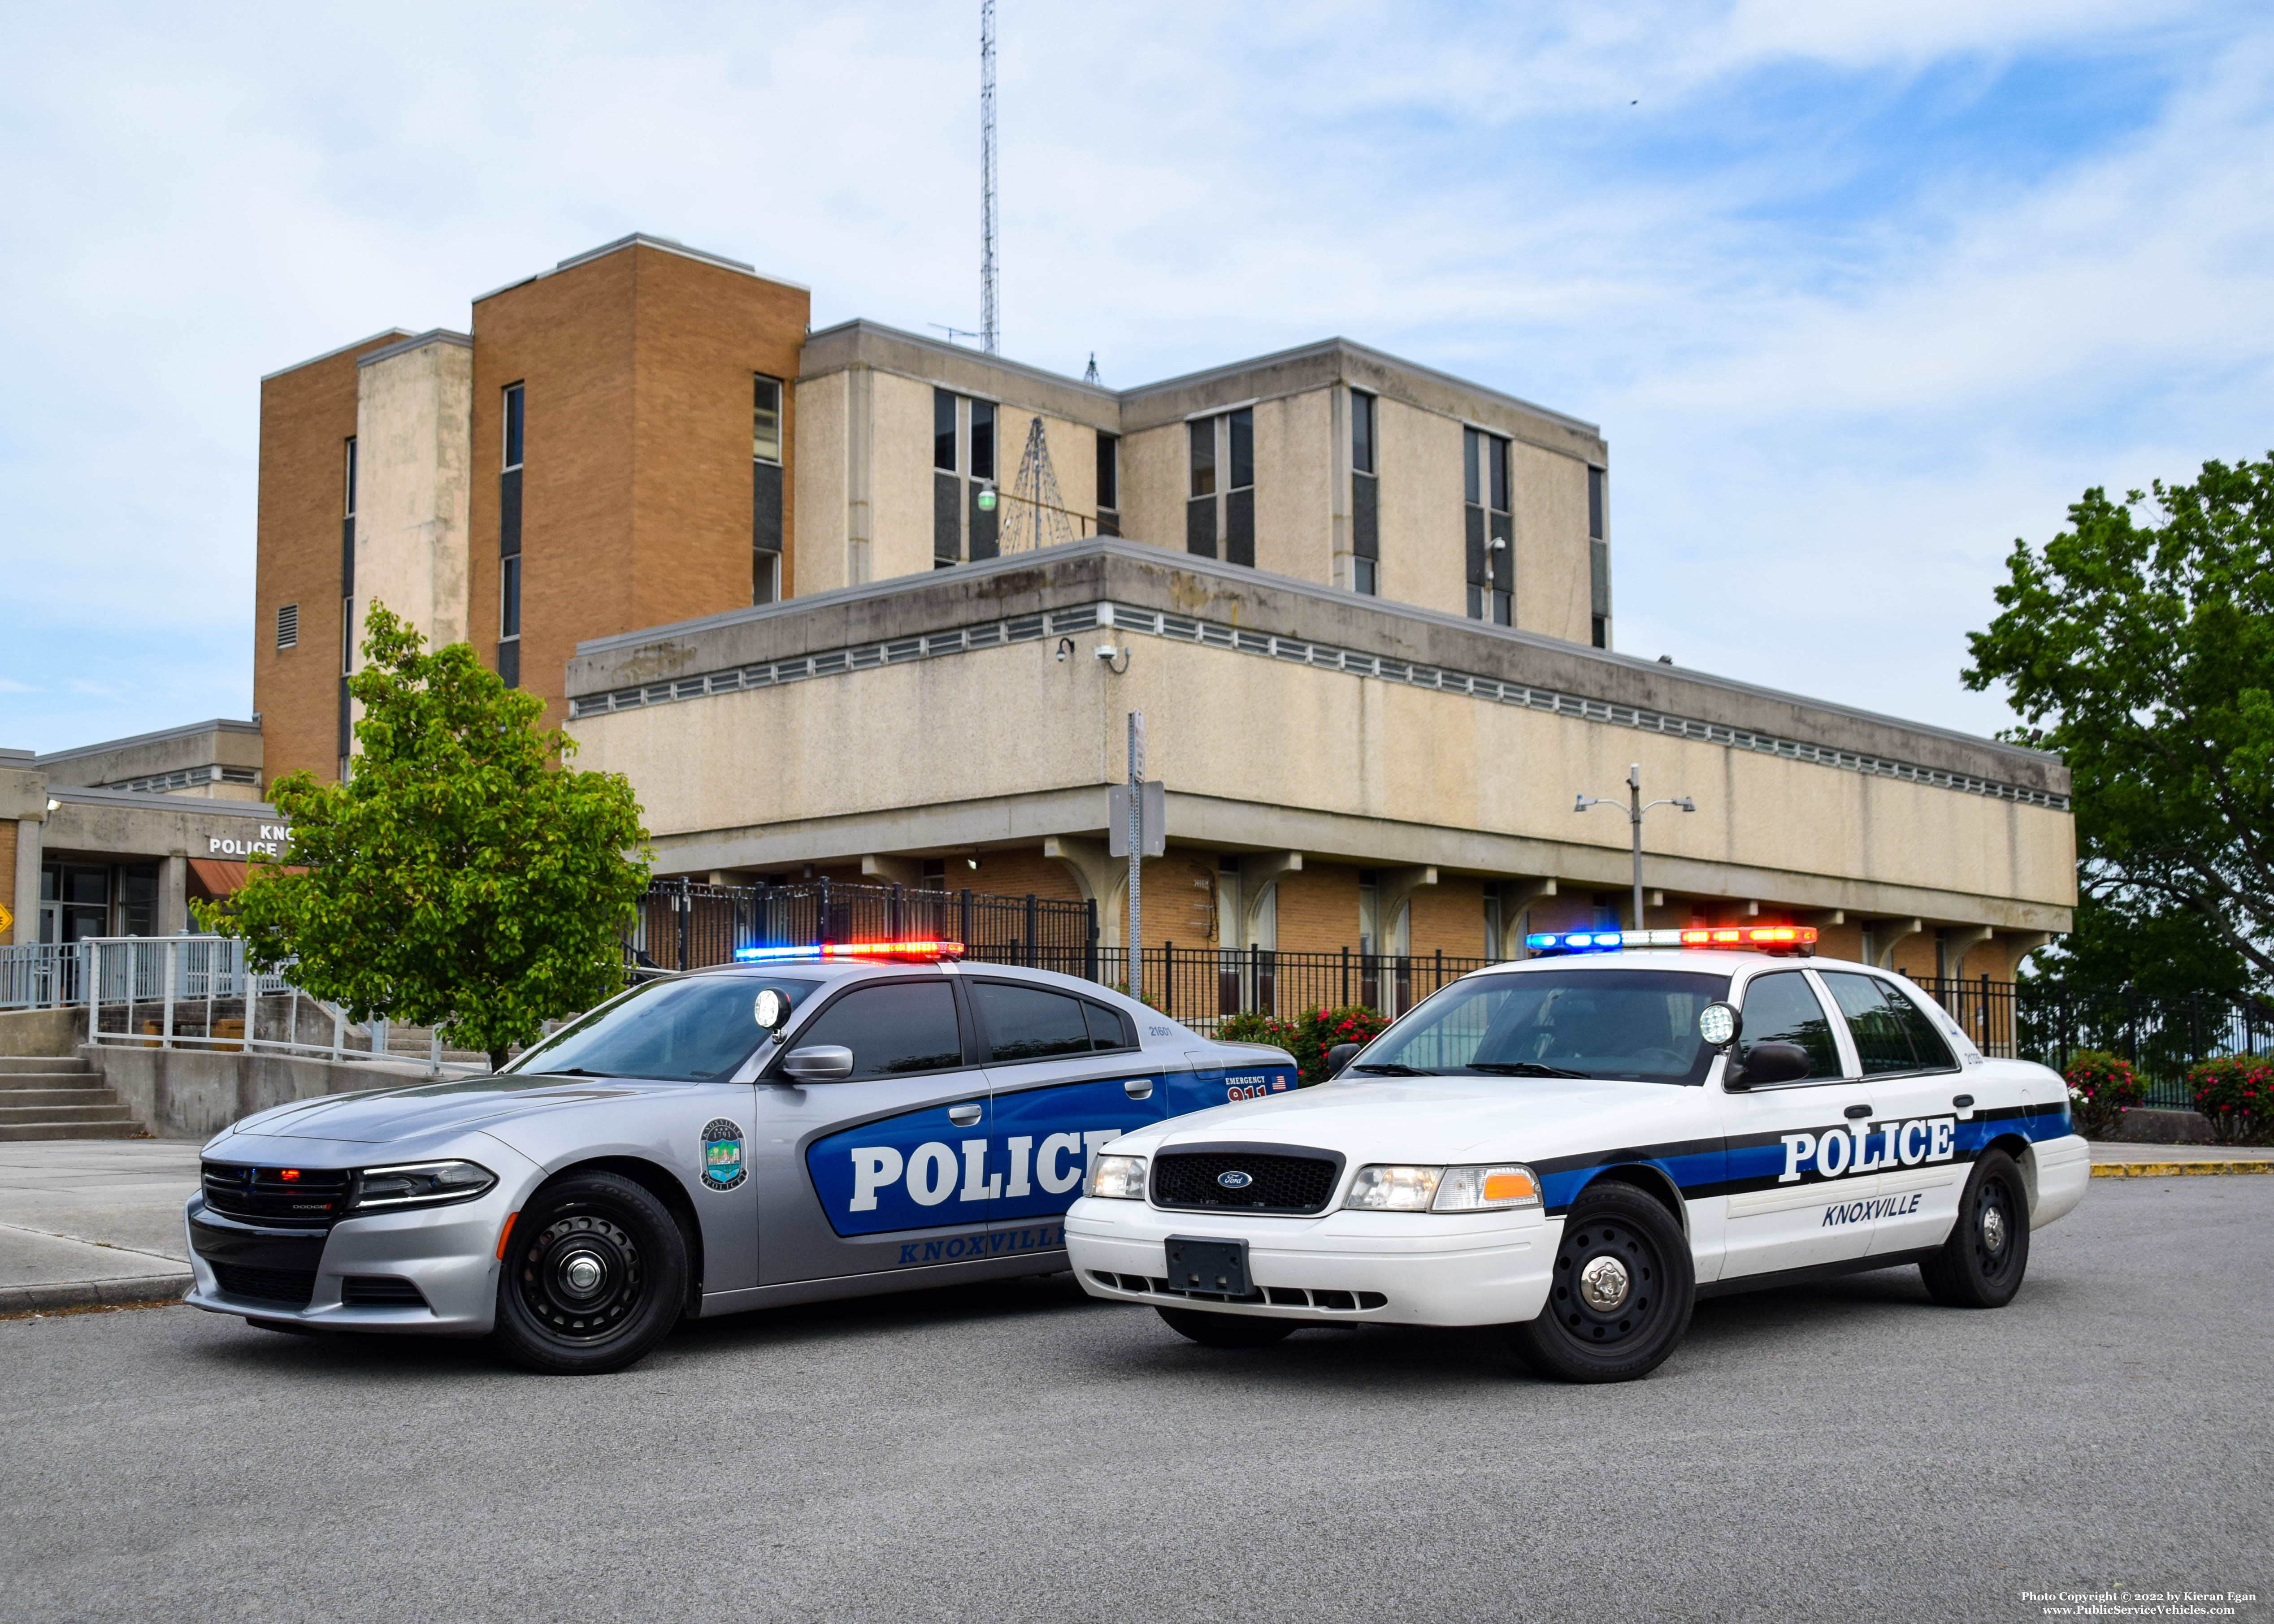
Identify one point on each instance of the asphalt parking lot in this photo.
(1017, 1452)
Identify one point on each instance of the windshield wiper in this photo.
(1391, 1068)
(569, 1072)
(1523, 1068)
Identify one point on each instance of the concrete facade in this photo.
(1414, 752)
(414, 403)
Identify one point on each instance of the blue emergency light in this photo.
(1768, 938)
(925, 952)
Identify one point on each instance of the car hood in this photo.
(428, 1110)
(1443, 1119)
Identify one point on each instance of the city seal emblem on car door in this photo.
(723, 1166)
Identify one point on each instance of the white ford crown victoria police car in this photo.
(1577, 1145)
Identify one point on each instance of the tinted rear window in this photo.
(1029, 1023)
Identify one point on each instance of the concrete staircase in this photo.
(51, 1098)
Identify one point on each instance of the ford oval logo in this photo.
(1234, 1180)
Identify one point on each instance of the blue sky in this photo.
(1858, 293)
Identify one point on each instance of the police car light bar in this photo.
(1769, 938)
(924, 950)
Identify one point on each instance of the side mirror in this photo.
(770, 1010)
(1719, 1024)
(1340, 1056)
(1767, 1063)
(820, 1062)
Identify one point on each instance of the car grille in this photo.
(1300, 1183)
(379, 1291)
(311, 1199)
(1275, 1296)
(289, 1286)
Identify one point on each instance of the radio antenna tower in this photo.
(990, 332)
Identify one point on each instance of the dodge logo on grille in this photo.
(1234, 1180)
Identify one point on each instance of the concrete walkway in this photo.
(2130, 1160)
(85, 1223)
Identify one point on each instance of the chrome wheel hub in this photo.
(1993, 1230)
(1603, 1284)
(582, 1273)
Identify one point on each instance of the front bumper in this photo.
(1425, 1268)
(448, 1254)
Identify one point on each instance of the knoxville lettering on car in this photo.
(1872, 1211)
(996, 1244)
(869, 1185)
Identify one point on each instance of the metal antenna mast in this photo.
(1047, 521)
(990, 332)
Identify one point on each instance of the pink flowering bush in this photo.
(2235, 1094)
(2102, 1087)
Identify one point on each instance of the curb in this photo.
(93, 1293)
(2175, 1169)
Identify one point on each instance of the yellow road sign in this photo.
(7, 919)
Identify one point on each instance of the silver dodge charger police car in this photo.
(1576, 1146)
(816, 1123)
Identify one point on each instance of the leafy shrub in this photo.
(2235, 1094)
(1308, 1037)
(2102, 1087)
(1254, 1027)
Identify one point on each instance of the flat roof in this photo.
(341, 349)
(641, 239)
(188, 730)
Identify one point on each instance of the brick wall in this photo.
(635, 370)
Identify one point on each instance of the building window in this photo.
(347, 638)
(943, 430)
(1489, 540)
(510, 598)
(766, 418)
(513, 426)
(765, 489)
(347, 520)
(1599, 556)
(287, 626)
(982, 439)
(960, 527)
(1222, 505)
(1366, 504)
(1109, 484)
(349, 509)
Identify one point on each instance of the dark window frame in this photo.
(515, 405)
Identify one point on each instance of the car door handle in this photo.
(1960, 1101)
(1137, 1087)
(1859, 1111)
(963, 1115)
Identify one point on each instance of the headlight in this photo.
(1393, 1189)
(1118, 1178)
(1480, 1189)
(420, 1183)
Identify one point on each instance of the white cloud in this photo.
(1850, 319)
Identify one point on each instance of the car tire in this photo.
(1226, 1330)
(594, 1276)
(1982, 1264)
(1625, 1284)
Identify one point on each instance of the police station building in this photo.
(859, 603)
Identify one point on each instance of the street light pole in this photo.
(1635, 808)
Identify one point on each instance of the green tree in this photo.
(463, 877)
(2139, 645)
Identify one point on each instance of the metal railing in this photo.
(684, 925)
(195, 992)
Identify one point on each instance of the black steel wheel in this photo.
(594, 1275)
(1623, 1288)
(1982, 1264)
(1211, 1330)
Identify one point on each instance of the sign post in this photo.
(1136, 853)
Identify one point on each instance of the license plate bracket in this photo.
(1218, 1268)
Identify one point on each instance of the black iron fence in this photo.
(2162, 1035)
(682, 925)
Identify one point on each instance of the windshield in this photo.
(1634, 1025)
(693, 1031)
